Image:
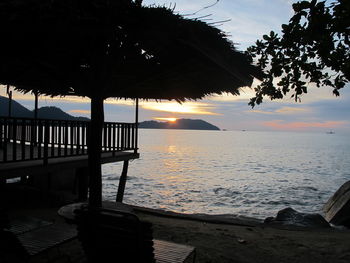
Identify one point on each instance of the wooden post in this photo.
(35, 116)
(2, 127)
(46, 141)
(36, 105)
(94, 152)
(14, 140)
(122, 182)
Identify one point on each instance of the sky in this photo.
(246, 21)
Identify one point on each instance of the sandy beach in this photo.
(219, 239)
(237, 243)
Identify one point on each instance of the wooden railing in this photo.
(32, 139)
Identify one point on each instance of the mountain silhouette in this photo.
(49, 112)
(187, 124)
(17, 109)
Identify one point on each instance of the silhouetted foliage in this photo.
(313, 48)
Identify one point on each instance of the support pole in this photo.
(94, 152)
(122, 182)
(136, 125)
(35, 117)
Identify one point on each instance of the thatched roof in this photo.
(115, 49)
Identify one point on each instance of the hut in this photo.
(121, 49)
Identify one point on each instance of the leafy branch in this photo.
(313, 48)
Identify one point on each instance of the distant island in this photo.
(20, 111)
(186, 124)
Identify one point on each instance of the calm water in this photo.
(233, 172)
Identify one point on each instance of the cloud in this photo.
(113, 101)
(282, 125)
(282, 111)
(67, 99)
(262, 112)
(292, 110)
(80, 111)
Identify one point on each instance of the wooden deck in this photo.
(38, 146)
(23, 168)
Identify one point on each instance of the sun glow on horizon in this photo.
(165, 119)
(185, 108)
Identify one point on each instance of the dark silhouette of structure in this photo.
(120, 49)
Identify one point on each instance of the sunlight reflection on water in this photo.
(247, 173)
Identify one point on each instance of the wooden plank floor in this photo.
(169, 252)
(37, 236)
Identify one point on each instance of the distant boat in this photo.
(330, 132)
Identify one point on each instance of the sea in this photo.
(245, 173)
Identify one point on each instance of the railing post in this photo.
(23, 138)
(71, 137)
(1, 133)
(40, 138)
(122, 136)
(66, 138)
(114, 137)
(104, 142)
(14, 139)
(5, 139)
(33, 129)
(118, 137)
(59, 138)
(128, 135)
(109, 137)
(46, 141)
(84, 136)
(52, 141)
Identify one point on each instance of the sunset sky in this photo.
(319, 110)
